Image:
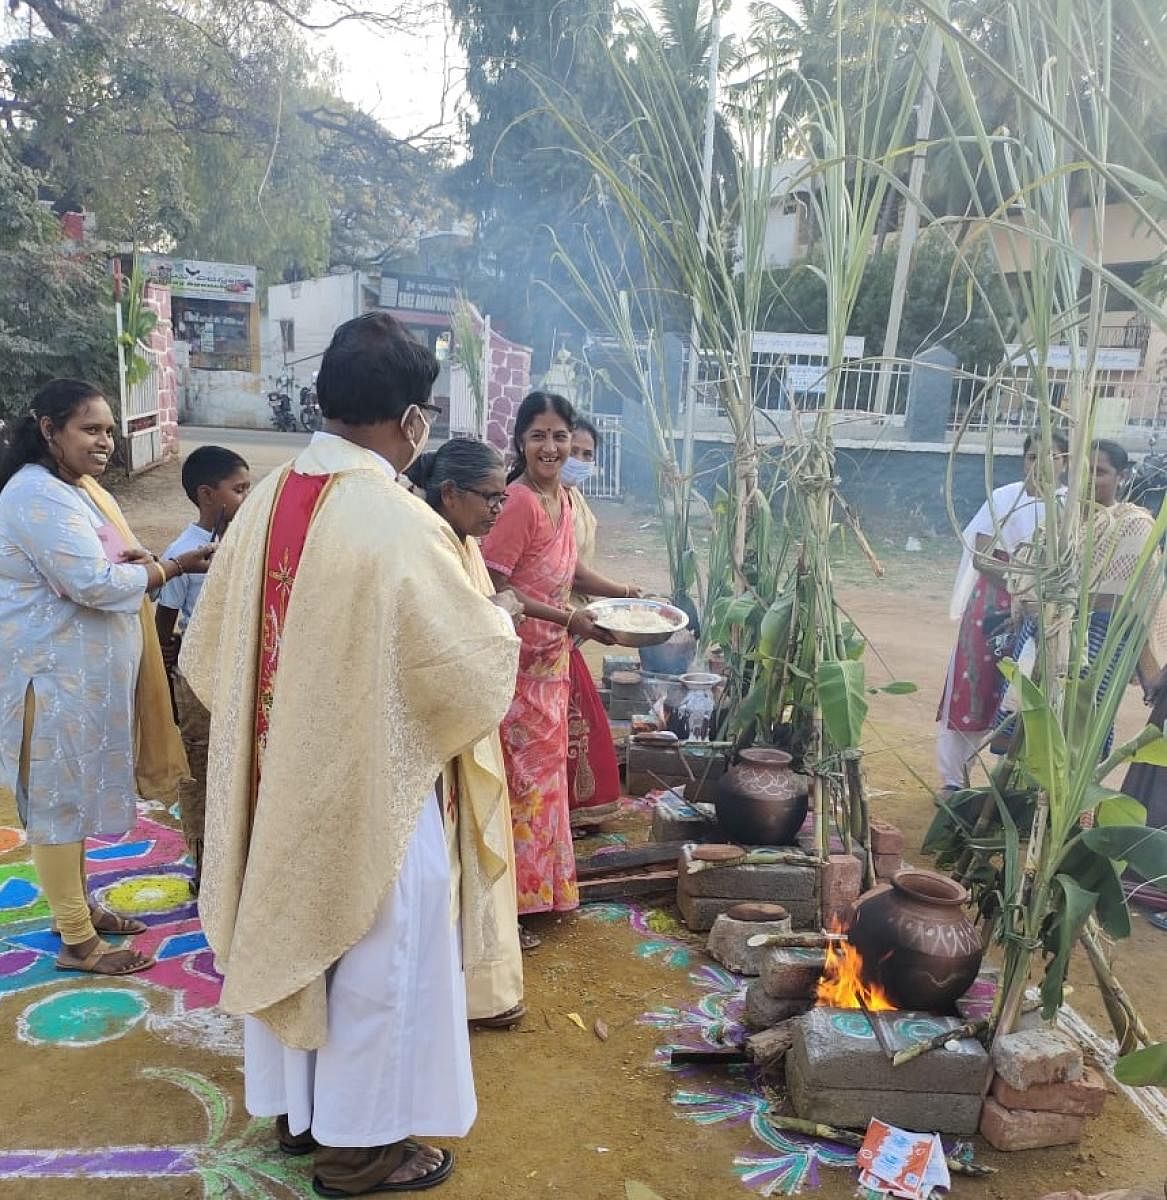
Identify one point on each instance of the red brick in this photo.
(1036, 1056)
(840, 881)
(886, 838)
(1081, 1097)
(1021, 1129)
(886, 865)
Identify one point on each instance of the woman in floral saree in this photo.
(532, 550)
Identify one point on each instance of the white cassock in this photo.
(397, 1060)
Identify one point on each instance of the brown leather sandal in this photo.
(106, 921)
(502, 1020)
(94, 960)
(421, 1183)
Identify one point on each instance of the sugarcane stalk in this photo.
(968, 1030)
(1129, 1029)
(755, 858)
(860, 813)
(793, 941)
(1127, 751)
(849, 1137)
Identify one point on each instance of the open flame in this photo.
(842, 982)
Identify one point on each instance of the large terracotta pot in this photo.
(916, 941)
(760, 800)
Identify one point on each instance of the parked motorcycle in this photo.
(1148, 480)
(280, 403)
(310, 415)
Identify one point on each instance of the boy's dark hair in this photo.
(1059, 439)
(209, 466)
(373, 370)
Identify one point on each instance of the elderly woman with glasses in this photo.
(464, 482)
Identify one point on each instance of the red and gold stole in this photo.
(297, 502)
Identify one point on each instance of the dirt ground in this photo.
(561, 1112)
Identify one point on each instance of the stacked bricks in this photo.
(691, 770)
(704, 895)
(1042, 1094)
(788, 981)
(838, 1074)
(887, 849)
(508, 381)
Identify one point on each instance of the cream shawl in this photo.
(391, 664)
(484, 818)
(585, 538)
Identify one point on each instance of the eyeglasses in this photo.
(494, 500)
(436, 409)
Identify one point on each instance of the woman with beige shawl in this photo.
(465, 482)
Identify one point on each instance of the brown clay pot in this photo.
(760, 800)
(916, 941)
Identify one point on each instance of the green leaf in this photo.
(1143, 1068)
(840, 687)
(1097, 873)
(1044, 751)
(1076, 906)
(751, 707)
(1118, 809)
(898, 687)
(1154, 753)
(775, 630)
(1144, 849)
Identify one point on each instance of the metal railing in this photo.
(605, 481)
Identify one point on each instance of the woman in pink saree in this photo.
(532, 551)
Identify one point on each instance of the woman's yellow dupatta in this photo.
(159, 758)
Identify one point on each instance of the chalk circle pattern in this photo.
(147, 894)
(81, 1017)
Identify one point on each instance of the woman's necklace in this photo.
(552, 504)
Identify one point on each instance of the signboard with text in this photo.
(418, 293)
(198, 280)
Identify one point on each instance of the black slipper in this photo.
(439, 1174)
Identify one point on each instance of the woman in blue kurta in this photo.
(75, 747)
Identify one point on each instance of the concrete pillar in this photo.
(930, 396)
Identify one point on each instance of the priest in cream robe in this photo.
(346, 658)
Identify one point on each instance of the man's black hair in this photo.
(373, 370)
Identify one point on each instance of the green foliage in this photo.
(841, 693)
(1143, 1068)
(56, 306)
(940, 308)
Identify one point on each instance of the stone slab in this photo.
(788, 973)
(852, 1108)
(1037, 1056)
(764, 1012)
(840, 883)
(838, 1049)
(1021, 1129)
(886, 839)
(778, 882)
(675, 820)
(728, 938)
(1079, 1097)
(699, 912)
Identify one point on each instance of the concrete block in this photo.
(790, 973)
(777, 882)
(699, 912)
(886, 865)
(763, 1012)
(840, 881)
(839, 1050)
(728, 938)
(1036, 1056)
(1022, 1129)
(852, 1108)
(886, 839)
(1079, 1097)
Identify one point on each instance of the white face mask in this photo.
(576, 471)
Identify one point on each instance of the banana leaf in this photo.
(843, 701)
(1143, 1068)
(1068, 918)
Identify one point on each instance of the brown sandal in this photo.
(105, 921)
(502, 1020)
(93, 961)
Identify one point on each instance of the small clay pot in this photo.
(760, 800)
(916, 941)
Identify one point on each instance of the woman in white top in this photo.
(85, 719)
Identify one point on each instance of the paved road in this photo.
(264, 449)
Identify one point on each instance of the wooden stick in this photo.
(806, 941)
(756, 858)
(1129, 1029)
(876, 1028)
(848, 1137)
(967, 1030)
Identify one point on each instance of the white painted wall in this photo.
(781, 245)
(317, 307)
(232, 399)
